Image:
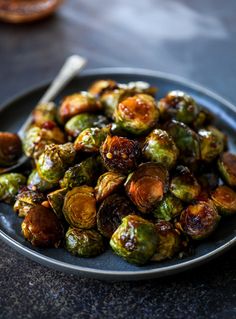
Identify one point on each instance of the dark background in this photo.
(194, 39)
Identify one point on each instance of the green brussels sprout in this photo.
(44, 112)
(79, 207)
(168, 241)
(111, 99)
(56, 201)
(199, 220)
(224, 199)
(9, 186)
(120, 154)
(184, 185)
(186, 140)
(146, 186)
(111, 212)
(10, 148)
(80, 122)
(137, 114)
(212, 143)
(37, 183)
(78, 103)
(42, 228)
(227, 168)
(100, 86)
(160, 148)
(26, 199)
(168, 208)
(203, 119)
(107, 184)
(135, 240)
(178, 105)
(138, 87)
(84, 242)
(90, 139)
(54, 161)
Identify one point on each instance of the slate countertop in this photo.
(193, 39)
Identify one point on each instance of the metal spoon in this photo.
(71, 67)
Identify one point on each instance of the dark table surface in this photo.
(194, 39)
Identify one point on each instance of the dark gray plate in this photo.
(108, 266)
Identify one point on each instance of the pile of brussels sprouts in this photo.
(114, 166)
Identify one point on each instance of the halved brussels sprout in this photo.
(26, 199)
(111, 99)
(84, 242)
(54, 161)
(146, 186)
(90, 139)
(79, 207)
(42, 228)
(10, 148)
(111, 212)
(199, 220)
(224, 199)
(159, 147)
(184, 185)
(137, 114)
(212, 143)
(227, 168)
(168, 208)
(77, 103)
(100, 86)
(80, 122)
(178, 105)
(107, 184)
(120, 154)
(10, 185)
(44, 112)
(56, 201)
(37, 183)
(135, 240)
(168, 241)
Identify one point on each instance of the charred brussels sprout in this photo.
(160, 148)
(227, 168)
(108, 183)
(10, 148)
(137, 114)
(184, 185)
(79, 207)
(10, 185)
(84, 242)
(120, 154)
(135, 240)
(26, 199)
(99, 87)
(91, 139)
(147, 185)
(168, 208)
(42, 228)
(111, 212)
(56, 201)
(37, 183)
(168, 241)
(43, 113)
(224, 199)
(54, 161)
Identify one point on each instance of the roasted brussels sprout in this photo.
(107, 184)
(91, 139)
(227, 168)
(120, 154)
(168, 208)
(199, 220)
(54, 161)
(111, 212)
(224, 199)
(184, 185)
(10, 148)
(80, 122)
(137, 114)
(147, 185)
(160, 148)
(26, 199)
(135, 240)
(56, 201)
(138, 87)
(77, 103)
(37, 183)
(168, 241)
(203, 119)
(99, 87)
(84, 242)
(111, 99)
(44, 112)
(42, 228)
(79, 207)
(178, 105)
(10, 185)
